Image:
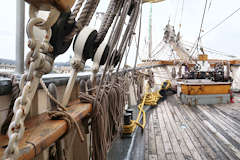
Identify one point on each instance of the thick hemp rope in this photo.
(75, 11)
(85, 17)
(109, 17)
(106, 117)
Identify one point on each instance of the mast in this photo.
(150, 33)
(20, 16)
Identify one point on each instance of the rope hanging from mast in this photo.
(176, 12)
(200, 31)
(180, 24)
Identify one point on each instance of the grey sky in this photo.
(225, 38)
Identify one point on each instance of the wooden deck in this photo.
(179, 132)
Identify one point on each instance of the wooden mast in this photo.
(20, 36)
(150, 33)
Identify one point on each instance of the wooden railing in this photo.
(41, 132)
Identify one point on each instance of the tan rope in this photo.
(68, 118)
(74, 14)
(107, 21)
(61, 112)
(106, 117)
(51, 96)
(85, 17)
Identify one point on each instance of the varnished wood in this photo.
(41, 132)
(212, 62)
(62, 5)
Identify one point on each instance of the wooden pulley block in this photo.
(174, 74)
(101, 55)
(84, 45)
(99, 59)
(62, 5)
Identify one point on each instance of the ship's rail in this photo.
(42, 132)
(61, 80)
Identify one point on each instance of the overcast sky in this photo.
(225, 38)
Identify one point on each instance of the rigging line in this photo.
(159, 51)
(180, 24)
(220, 23)
(200, 31)
(125, 6)
(132, 26)
(126, 57)
(174, 55)
(139, 38)
(209, 49)
(157, 46)
(210, 4)
(176, 13)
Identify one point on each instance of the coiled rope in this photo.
(106, 117)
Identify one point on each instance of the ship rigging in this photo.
(178, 103)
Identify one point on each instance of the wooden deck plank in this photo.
(166, 141)
(215, 118)
(152, 150)
(175, 125)
(235, 115)
(228, 120)
(206, 148)
(173, 134)
(189, 138)
(223, 139)
(146, 132)
(153, 157)
(158, 136)
(227, 142)
(210, 138)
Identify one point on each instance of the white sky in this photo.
(225, 38)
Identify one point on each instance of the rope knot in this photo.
(77, 64)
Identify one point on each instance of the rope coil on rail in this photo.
(107, 113)
(106, 117)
